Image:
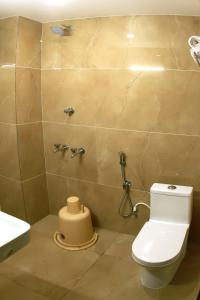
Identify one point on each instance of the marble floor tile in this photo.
(105, 277)
(31, 282)
(121, 247)
(43, 271)
(45, 260)
(10, 290)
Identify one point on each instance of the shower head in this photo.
(62, 30)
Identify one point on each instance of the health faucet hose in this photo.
(126, 198)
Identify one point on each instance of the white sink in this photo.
(14, 234)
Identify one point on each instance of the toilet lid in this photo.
(159, 243)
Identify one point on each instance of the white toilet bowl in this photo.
(161, 244)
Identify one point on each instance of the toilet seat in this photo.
(159, 243)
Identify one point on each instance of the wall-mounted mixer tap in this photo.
(69, 111)
(77, 151)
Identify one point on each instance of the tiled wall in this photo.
(152, 116)
(22, 170)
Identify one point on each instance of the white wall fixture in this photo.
(14, 234)
(194, 43)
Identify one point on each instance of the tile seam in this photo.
(118, 16)
(115, 69)
(27, 67)
(92, 182)
(42, 114)
(19, 124)
(120, 129)
(21, 181)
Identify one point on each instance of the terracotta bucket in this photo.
(75, 226)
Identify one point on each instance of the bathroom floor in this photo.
(42, 271)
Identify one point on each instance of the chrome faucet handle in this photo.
(77, 151)
(69, 111)
(65, 147)
(56, 147)
(81, 151)
(73, 150)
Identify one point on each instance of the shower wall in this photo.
(23, 190)
(150, 114)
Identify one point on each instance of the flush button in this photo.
(171, 187)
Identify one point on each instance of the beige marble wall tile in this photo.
(148, 101)
(120, 42)
(98, 42)
(151, 31)
(151, 44)
(69, 88)
(150, 158)
(61, 162)
(102, 95)
(7, 95)
(194, 229)
(31, 154)
(57, 187)
(36, 201)
(103, 201)
(151, 101)
(109, 143)
(9, 162)
(28, 43)
(8, 40)
(171, 159)
(150, 57)
(11, 197)
(110, 45)
(28, 95)
(185, 27)
(68, 51)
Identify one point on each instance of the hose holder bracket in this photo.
(126, 185)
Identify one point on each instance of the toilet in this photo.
(161, 244)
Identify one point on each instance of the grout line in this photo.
(10, 178)
(100, 16)
(92, 182)
(16, 120)
(111, 16)
(21, 181)
(20, 124)
(98, 127)
(14, 66)
(8, 124)
(119, 129)
(113, 69)
(42, 113)
(73, 288)
(27, 67)
(32, 178)
(29, 123)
